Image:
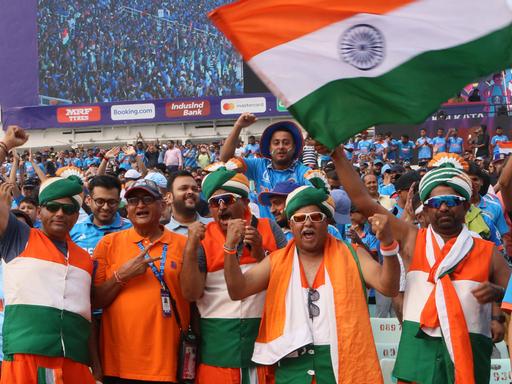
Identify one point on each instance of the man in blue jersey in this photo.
(439, 142)
(497, 138)
(104, 201)
(424, 145)
(454, 142)
(281, 146)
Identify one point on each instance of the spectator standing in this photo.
(379, 145)
(203, 158)
(310, 306)
(425, 146)
(281, 147)
(481, 143)
(190, 155)
(405, 149)
(364, 145)
(184, 199)
(140, 332)
(454, 143)
(47, 323)
(252, 149)
(309, 155)
(228, 329)
(439, 142)
(240, 149)
(392, 148)
(497, 138)
(173, 159)
(151, 156)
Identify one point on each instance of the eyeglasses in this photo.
(313, 309)
(449, 200)
(146, 200)
(101, 202)
(67, 209)
(226, 199)
(315, 217)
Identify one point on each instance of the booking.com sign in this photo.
(133, 112)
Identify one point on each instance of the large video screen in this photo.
(113, 50)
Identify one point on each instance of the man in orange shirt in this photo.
(135, 282)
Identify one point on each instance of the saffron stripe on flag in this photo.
(255, 26)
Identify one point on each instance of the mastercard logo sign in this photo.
(249, 104)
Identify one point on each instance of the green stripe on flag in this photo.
(407, 94)
(425, 359)
(37, 330)
(228, 342)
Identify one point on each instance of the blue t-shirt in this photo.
(387, 190)
(379, 147)
(424, 151)
(493, 210)
(349, 154)
(252, 149)
(393, 149)
(124, 161)
(405, 150)
(265, 177)
(439, 144)
(87, 235)
(190, 158)
(88, 161)
(497, 139)
(455, 145)
(364, 147)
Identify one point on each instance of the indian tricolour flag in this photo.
(505, 147)
(341, 66)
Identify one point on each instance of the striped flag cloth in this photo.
(505, 147)
(341, 66)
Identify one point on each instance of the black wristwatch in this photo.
(500, 318)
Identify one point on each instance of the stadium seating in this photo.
(386, 331)
(500, 371)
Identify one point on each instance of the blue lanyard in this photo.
(158, 274)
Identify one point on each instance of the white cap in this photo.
(132, 174)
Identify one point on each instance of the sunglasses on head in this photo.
(225, 198)
(449, 200)
(67, 209)
(315, 217)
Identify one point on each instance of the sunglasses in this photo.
(449, 200)
(226, 199)
(315, 217)
(67, 209)
(146, 200)
(313, 309)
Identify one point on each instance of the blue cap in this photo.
(378, 161)
(342, 207)
(158, 178)
(283, 188)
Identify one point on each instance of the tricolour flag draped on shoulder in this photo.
(341, 66)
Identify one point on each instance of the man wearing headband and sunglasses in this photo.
(47, 282)
(228, 328)
(315, 324)
(452, 279)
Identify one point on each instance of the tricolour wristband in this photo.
(390, 250)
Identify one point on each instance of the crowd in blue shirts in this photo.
(108, 50)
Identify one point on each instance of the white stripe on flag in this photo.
(408, 32)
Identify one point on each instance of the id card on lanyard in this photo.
(165, 295)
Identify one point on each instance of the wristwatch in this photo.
(500, 318)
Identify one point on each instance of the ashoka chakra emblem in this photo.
(362, 46)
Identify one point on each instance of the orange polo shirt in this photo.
(136, 341)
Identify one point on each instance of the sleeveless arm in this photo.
(241, 285)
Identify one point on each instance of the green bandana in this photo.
(56, 188)
(231, 181)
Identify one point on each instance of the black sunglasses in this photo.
(313, 309)
(68, 209)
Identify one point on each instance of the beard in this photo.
(180, 207)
